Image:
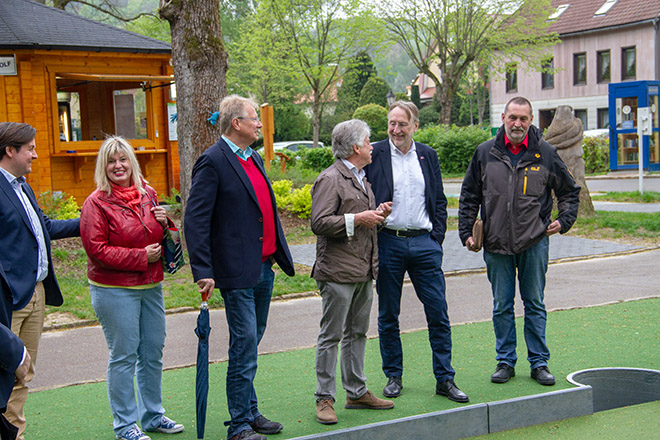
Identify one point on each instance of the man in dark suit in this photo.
(408, 174)
(14, 358)
(234, 235)
(25, 235)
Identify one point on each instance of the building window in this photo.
(581, 114)
(628, 70)
(606, 7)
(603, 66)
(511, 78)
(603, 118)
(579, 68)
(545, 118)
(547, 74)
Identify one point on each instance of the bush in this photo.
(374, 92)
(58, 206)
(376, 116)
(301, 201)
(173, 202)
(596, 154)
(298, 201)
(428, 116)
(316, 159)
(454, 145)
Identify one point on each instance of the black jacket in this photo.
(516, 203)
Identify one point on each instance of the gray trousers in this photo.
(346, 309)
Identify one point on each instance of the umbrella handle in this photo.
(205, 298)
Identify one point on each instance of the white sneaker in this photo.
(134, 433)
(168, 426)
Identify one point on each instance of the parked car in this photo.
(293, 145)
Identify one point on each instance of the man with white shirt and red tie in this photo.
(408, 174)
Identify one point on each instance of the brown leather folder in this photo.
(478, 234)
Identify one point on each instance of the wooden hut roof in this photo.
(26, 24)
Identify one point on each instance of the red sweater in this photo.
(262, 190)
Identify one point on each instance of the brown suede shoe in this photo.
(325, 413)
(368, 401)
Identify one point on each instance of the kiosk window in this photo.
(90, 110)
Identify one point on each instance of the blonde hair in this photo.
(111, 146)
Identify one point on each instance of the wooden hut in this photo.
(76, 80)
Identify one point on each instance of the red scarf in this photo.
(128, 194)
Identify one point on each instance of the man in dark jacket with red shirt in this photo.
(234, 235)
(511, 178)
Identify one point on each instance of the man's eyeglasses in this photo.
(251, 119)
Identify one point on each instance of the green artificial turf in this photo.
(619, 335)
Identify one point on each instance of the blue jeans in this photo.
(421, 257)
(531, 265)
(247, 314)
(133, 323)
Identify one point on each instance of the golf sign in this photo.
(8, 65)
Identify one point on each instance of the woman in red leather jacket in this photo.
(122, 228)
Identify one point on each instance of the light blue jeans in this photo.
(531, 266)
(133, 322)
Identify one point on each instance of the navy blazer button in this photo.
(261, 239)
(261, 220)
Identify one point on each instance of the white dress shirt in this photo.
(408, 201)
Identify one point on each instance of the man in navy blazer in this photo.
(234, 235)
(26, 261)
(408, 174)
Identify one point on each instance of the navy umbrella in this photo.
(202, 331)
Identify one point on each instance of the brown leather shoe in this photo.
(368, 401)
(325, 413)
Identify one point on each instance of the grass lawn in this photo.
(618, 335)
(632, 197)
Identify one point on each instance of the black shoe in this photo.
(393, 387)
(448, 388)
(503, 373)
(264, 426)
(543, 376)
(248, 434)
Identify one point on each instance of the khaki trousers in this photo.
(27, 324)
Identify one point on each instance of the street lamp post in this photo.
(390, 98)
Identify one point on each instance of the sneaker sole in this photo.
(326, 422)
(169, 431)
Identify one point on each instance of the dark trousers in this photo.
(421, 257)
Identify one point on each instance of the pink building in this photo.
(602, 42)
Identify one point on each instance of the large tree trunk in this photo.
(200, 66)
(445, 98)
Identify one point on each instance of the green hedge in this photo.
(298, 201)
(596, 154)
(454, 145)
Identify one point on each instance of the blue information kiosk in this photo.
(624, 99)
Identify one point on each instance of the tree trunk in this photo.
(445, 98)
(316, 119)
(200, 65)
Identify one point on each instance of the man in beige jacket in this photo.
(345, 218)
